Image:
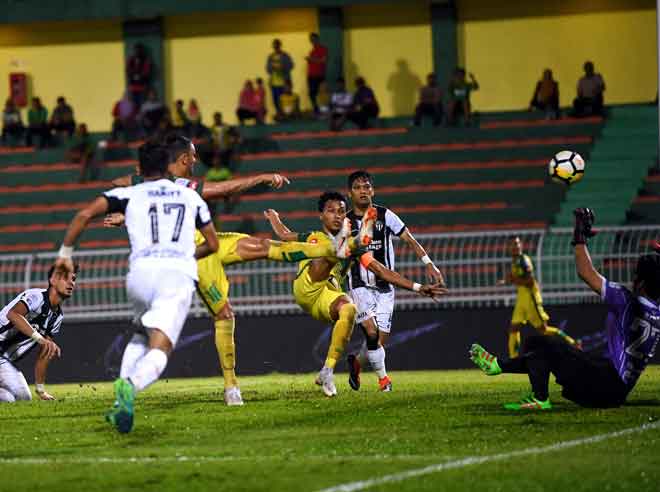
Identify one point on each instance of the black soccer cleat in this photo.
(354, 369)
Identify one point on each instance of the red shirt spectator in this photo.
(316, 64)
(138, 74)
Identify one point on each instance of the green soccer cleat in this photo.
(529, 403)
(484, 360)
(121, 414)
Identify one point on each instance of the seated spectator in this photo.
(546, 96)
(430, 102)
(151, 112)
(12, 124)
(323, 100)
(365, 105)
(38, 124)
(81, 150)
(197, 129)
(289, 104)
(248, 104)
(123, 118)
(589, 100)
(459, 96)
(180, 118)
(341, 106)
(164, 128)
(61, 119)
(138, 74)
(261, 99)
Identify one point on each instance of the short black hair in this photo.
(177, 145)
(361, 174)
(51, 270)
(153, 159)
(648, 271)
(330, 196)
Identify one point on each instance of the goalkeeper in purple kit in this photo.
(632, 332)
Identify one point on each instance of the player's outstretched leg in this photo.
(484, 360)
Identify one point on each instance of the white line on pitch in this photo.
(477, 460)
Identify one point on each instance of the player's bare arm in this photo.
(394, 278)
(16, 317)
(210, 245)
(433, 272)
(281, 230)
(238, 185)
(40, 369)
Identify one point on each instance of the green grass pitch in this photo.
(289, 437)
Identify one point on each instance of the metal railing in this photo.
(471, 262)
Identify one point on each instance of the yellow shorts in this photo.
(213, 284)
(529, 309)
(316, 298)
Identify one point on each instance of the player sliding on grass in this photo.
(633, 332)
(213, 284)
(318, 285)
(529, 304)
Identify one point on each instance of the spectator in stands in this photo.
(278, 66)
(249, 106)
(261, 100)
(151, 112)
(38, 124)
(123, 118)
(197, 129)
(589, 100)
(226, 140)
(61, 119)
(341, 105)
(12, 124)
(546, 96)
(316, 65)
(81, 150)
(138, 74)
(430, 102)
(180, 119)
(289, 104)
(164, 128)
(219, 172)
(459, 96)
(365, 105)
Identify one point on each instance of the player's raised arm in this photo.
(213, 190)
(584, 219)
(281, 231)
(432, 271)
(394, 278)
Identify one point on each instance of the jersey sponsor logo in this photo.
(163, 192)
(379, 225)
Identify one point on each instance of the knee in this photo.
(348, 310)
(227, 312)
(23, 394)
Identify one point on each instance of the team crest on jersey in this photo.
(379, 225)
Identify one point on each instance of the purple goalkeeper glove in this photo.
(584, 220)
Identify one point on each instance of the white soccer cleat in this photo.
(366, 233)
(233, 396)
(326, 380)
(342, 240)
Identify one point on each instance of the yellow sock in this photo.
(224, 343)
(552, 331)
(514, 344)
(341, 334)
(295, 251)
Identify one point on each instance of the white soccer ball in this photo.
(566, 167)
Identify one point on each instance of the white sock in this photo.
(377, 361)
(6, 396)
(148, 369)
(134, 351)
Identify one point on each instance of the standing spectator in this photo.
(290, 104)
(138, 74)
(195, 119)
(278, 66)
(261, 100)
(12, 124)
(81, 150)
(219, 172)
(123, 118)
(180, 118)
(248, 104)
(316, 65)
(459, 96)
(365, 105)
(546, 96)
(341, 105)
(589, 100)
(38, 124)
(61, 119)
(151, 112)
(225, 140)
(430, 101)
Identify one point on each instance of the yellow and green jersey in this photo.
(523, 268)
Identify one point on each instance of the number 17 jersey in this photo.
(161, 218)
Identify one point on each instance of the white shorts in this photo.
(372, 303)
(13, 381)
(161, 299)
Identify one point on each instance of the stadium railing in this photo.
(471, 263)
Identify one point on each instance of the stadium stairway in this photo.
(438, 179)
(620, 160)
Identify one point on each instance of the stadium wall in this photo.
(83, 61)
(508, 44)
(297, 343)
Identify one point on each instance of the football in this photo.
(566, 167)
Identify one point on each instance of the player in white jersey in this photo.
(374, 297)
(32, 318)
(161, 218)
